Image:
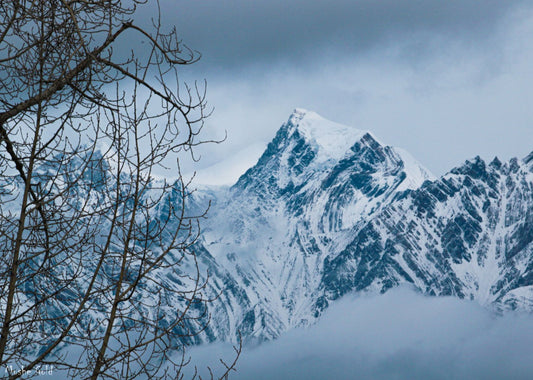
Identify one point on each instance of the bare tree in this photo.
(98, 274)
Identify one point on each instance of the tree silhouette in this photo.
(98, 275)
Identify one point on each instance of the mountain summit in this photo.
(330, 140)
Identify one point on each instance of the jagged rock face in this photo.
(321, 215)
(467, 234)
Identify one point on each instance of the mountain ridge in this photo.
(303, 227)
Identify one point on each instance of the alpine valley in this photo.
(328, 210)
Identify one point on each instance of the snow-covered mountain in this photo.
(329, 210)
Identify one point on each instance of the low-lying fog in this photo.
(398, 335)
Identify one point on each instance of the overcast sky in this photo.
(446, 80)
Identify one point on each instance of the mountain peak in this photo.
(299, 113)
(496, 163)
(331, 140)
(308, 144)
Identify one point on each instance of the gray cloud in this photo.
(236, 34)
(399, 335)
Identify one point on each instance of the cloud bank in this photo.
(399, 335)
(237, 33)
